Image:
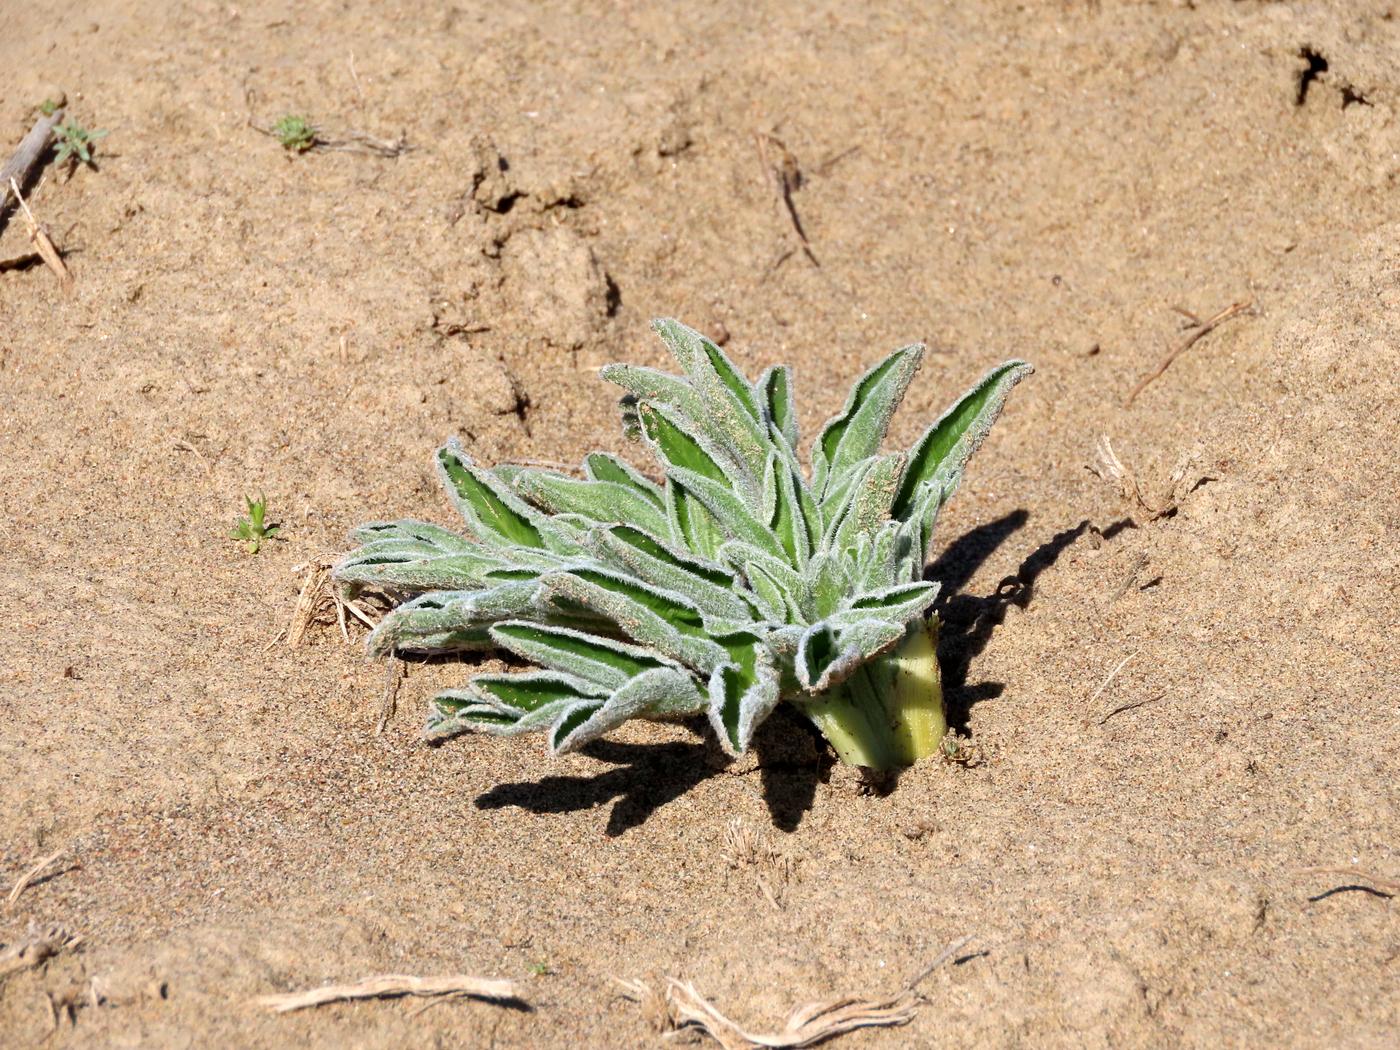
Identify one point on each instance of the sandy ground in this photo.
(1047, 180)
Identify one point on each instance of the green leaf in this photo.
(856, 432)
(661, 620)
(661, 693)
(729, 412)
(866, 504)
(445, 540)
(900, 603)
(677, 445)
(602, 467)
(495, 514)
(588, 656)
(741, 696)
(706, 585)
(782, 512)
(775, 386)
(599, 501)
(940, 455)
(826, 657)
(692, 526)
(407, 572)
(531, 690)
(730, 513)
(648, 384)
(422, 625)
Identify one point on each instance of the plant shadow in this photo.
(792, 761)
(967, 621)
(648, 776)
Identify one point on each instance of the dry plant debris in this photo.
(1199, 329)
(27, 155)
(320, 597)
(34, 872)
(683, 1007)
(1107, 466)
(784, 175)
(39, 237)
(40, 944)
(393, 986)
(749, 847)
(299, 135)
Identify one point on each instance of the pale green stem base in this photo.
(889, 714)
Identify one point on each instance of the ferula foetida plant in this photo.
(736, 582)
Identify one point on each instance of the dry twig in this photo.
(32, 875)
(1201, 329)
(394, 673)
(392, 986)
(683, 1006)
(1111, 676)
(39, 237)
(26, 157)
(1131, 706)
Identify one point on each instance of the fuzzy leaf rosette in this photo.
(732, 582)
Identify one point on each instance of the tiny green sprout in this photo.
(75, 142)
(296, 133)
(254, 528)
(541, 969)
(48, 107)
(732, 578)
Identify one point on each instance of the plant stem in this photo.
(889, 714)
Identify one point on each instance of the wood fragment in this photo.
(1202, 329)
(319, 596)
(809, 1024)
(20, 167)
(392, 986)
(32, 875)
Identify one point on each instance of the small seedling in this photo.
(295, 133)
(253, 529)
(541, 969)
(48, 107)
(738, 582)
(75, 143)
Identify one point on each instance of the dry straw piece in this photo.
(392, 986)
(34, 872)
(682, 1006)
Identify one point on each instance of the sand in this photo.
(1047, 180)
